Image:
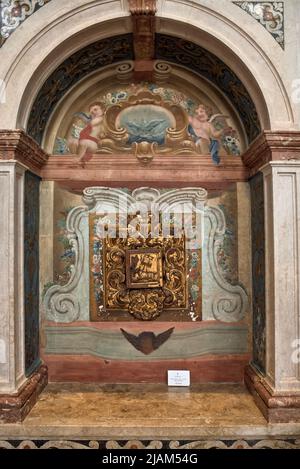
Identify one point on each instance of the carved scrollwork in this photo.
(161, 72)
(144, 151)
(172, 249)
(117, 137)
(106, 196)
(116, 294)
(146, 304)
(142, 7)
(125, 72)
(174, 286)
(196, 196)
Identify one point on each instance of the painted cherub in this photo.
(86, 143)
(207, 137)
(80, 120)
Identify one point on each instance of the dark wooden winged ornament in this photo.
(146, 342)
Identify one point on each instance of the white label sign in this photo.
(178, 378)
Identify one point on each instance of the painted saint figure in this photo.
(207, 137)
(144, 268)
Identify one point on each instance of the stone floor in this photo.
(146, 412)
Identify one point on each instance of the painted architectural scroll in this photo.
(14, 13)
(269, 14)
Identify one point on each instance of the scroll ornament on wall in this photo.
(269, 14)
(13, 13)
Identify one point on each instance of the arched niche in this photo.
(100, 84)
(53, 34)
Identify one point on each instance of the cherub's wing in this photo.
(80, 120)
(132, 339)
(83, 115)
(162, 338)
(219, 121)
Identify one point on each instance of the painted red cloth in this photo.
(85, 134)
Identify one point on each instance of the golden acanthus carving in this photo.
(145, 303)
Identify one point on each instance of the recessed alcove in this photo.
(181, 142)
(114, 123)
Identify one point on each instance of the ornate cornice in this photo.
(17, 145)
(268, 146)
(272, 146)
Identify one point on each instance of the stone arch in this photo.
(56, 31)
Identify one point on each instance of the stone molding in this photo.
(163, 171)
(14, 13)
(14, 408)
(276, 408)
(73, 26)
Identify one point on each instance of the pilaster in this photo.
(19, 384)
(275, 383)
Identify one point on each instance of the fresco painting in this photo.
(121, 121)
(146, 123)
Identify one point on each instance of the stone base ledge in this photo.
(14, 408)
(275, 408)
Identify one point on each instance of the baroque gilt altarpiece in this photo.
(143, 276)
